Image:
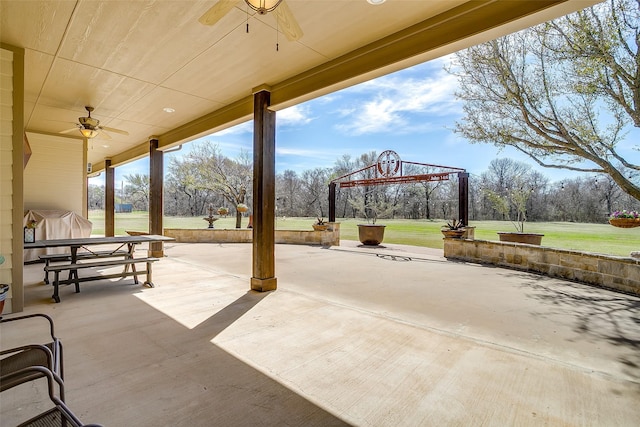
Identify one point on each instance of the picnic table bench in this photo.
(56, 269)
(80, 260)
(49, 258)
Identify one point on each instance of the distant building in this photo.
(124, 208)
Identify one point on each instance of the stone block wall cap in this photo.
(517, 232)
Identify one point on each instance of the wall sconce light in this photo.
(29, 235)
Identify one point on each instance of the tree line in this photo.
(205, 177)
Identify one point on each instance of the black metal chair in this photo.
(58, 416)
(48, 355)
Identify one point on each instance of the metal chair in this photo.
(58, 416)
(48, 355)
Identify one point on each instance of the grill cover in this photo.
(55, 224)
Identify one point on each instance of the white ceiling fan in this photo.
(90, 127)
(286, 21)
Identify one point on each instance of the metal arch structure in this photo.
(389, 169)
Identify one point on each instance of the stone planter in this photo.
(528, 238)
(371, 234)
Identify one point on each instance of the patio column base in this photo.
(264, 285)
(156, 250)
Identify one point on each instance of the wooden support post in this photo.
(109, 199)
(156, 184)
(264, 193)
(332, 202)
(463, 197)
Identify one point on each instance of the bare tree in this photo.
(288, 192)
(186, 190)
(95, 194)
(231, 179)
(543, 90)
(315, 192)
(137, 190)
(343, 166)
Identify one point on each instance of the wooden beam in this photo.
(463, 197)
(109, 199)
(264, 193)
(156, 201)
(332, 202)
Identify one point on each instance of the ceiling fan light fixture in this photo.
(263, 6)
(375, 2)
(89, 133)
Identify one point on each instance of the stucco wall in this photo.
(6, 171)
(621, 273)
(55, 177)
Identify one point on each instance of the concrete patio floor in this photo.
(388, 336)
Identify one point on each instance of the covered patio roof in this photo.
(132, 59)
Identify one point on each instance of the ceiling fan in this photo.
(286, 21)
(90, 127)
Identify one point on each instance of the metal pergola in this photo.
(389, 169)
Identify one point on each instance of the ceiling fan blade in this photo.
(217, 11)
(69, 130)
(102, 134)
(287, 23)
(121, 132)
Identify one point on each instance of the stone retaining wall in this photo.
(330, 237)
(621, 273)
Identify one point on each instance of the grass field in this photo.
(600, 238)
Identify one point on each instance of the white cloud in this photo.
(299, 152)
(302, 159)
(395, 99)
(246, 127)
(296, 115)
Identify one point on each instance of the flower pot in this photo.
(4, 291)
(528, 238)
(371, 234)
(453, 234)
(320, 227)
(625, 222)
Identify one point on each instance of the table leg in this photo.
(149, 282)
(56, 282)
(131, 247)
(73, 273)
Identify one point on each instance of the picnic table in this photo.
(89, 255)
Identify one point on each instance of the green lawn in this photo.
(600, 238)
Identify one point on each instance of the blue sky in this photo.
(412, 112)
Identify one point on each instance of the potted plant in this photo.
(242, 207)
(320, 225)
(625, 219)
(371, 233)
(223, 211)
(4, 289)
(454, 229)
(515, 200)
